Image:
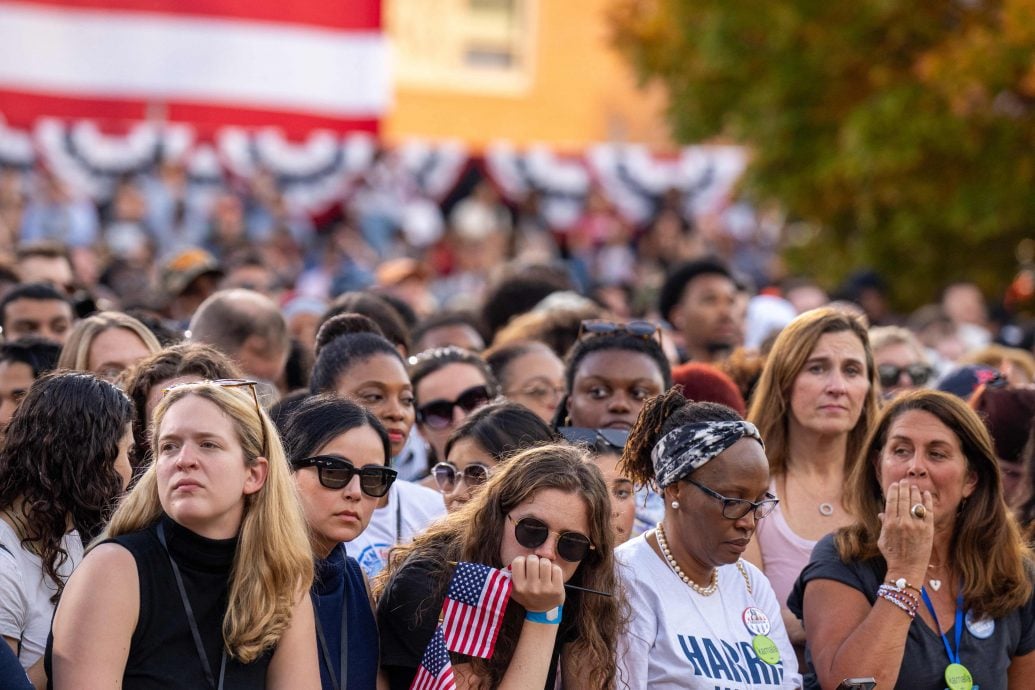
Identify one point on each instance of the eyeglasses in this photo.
(640, 329)
(447, 476)
(736, 508)
(918, 374)
(438, 414)
(542, 393)
(601, 440)
(335, 472)
(232, 383)
(532, 533)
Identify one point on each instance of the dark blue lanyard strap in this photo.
(953, 658)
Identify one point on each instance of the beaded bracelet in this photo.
(900, 598)
(901, 593)
(903, 583)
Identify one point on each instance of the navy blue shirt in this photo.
(340, 581)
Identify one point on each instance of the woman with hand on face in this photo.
(339, 454)
(932, 585)
(545, 514)
(201, 578)
(64, 462)
(813, 406)
(701, 616)
(363, 366)
(481, 443)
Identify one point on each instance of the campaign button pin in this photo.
(756, 621)
(767, 650)
(958, 677)
(981, 628)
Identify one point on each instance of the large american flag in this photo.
(435, 671)
(296, 65)
(473, 609)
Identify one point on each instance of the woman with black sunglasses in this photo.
(702, 617)
(482, 441)
(546, 515)
(449, 383)
(339, 454)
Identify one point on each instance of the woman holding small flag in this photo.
(545, 515)
(932, 587)
(702, 617)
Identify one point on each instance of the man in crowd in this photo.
(36, 309)
(700, 300)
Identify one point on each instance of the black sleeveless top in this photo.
(162, 652)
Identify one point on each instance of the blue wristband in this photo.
(551, 617)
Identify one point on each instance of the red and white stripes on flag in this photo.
(473, 609)
(297, 65)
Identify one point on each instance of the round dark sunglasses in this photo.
(889, 374)
(447, 476)
(335, 472)
(438, 414)
(532, 533)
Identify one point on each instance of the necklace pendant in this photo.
(826, 509)
(935, 584)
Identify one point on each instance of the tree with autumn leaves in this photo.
(895, 135)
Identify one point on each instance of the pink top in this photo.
(784, 553)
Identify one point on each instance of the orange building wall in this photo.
(579, 92)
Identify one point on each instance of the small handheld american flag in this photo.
(473, 609)
(471, 617)
(435, 671)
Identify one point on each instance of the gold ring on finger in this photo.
(919, 511)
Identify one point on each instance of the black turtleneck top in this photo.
(162, 652)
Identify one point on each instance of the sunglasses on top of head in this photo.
(438, 414)
(640, 329)
(532, 533)
(335, 472)
(599, 440)
(918, 374)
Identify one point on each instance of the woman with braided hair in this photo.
(701, 616)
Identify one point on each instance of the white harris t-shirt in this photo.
(25, 592)
(678, 639)
(411, 508)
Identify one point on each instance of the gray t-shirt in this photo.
(986, 647)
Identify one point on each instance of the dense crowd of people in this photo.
(244, 449)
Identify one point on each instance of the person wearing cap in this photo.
(187, 280)
(700, 300)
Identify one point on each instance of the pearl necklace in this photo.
(703, 591)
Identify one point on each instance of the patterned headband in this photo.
(683, 450)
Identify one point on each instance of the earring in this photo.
(675, 505)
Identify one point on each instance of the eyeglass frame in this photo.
(232, 383)
(770, 500)
(549, 532)
(422, 416)
(328, 462)
(928, 372)
(637, 328)
(462, 474)
(556, 391)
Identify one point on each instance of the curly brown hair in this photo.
(58, 462)
(474, 534)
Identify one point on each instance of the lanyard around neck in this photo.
(195, 633)
(954, 658)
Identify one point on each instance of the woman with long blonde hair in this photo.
(547, 514)
(201, 578)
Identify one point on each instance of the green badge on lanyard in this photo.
(768, 652)
(958, 677)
